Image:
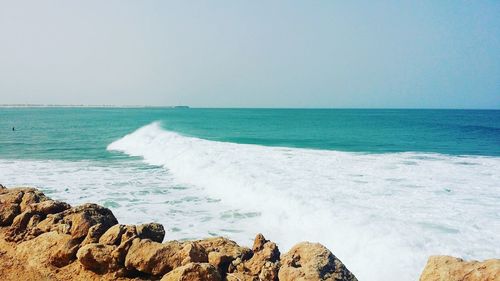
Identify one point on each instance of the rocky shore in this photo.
(44, 239)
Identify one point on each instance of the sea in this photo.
(383, 189)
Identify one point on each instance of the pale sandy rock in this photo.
(78, 220)
(222, 251)
(193, 272)
(99, 258)
(8, 211)
(264, 263)
(94, 234)
(49, 207)
(446, 268)
(159, 258)
(312, 261)
(42, 250)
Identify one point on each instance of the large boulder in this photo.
(50, 248)
(118, 233)
(312, 261)
(193, 272)
(99, 258)
(440, 268)
(78, 220)
(155, 258)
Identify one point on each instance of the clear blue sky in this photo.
(443, 54)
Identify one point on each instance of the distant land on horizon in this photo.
(189, 107)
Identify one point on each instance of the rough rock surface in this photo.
(440, 268)
(312, 261)
(193, 272)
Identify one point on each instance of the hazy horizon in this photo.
(251, 54)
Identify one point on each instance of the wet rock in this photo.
(159, 258)
(440, 268)
(193, 272)
(312, 261)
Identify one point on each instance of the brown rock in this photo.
(240, 276)
(113, 235)
(153, 231)
(99, 258)
(157, 259)
(65, 253)
(440, 268)
(264, 263)
(312, 261)
(222, 251)
(45, 249)
(193, 272)
(31, 196)
(94, 234)
(49, 207)
(8, 211)
(78, 220)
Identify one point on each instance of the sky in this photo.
(369, 54)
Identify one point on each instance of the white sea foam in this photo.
(381, 214)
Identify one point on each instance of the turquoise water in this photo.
(383, 189)
(84, 133)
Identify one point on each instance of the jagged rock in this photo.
(2, 187)
(157, 259)
(240, 276)
(94, 234)
(9, 205)
(153, 231)
(222, 251)
(49, 207)
(118, 233)
(113, 235)
(31, 196)
(78, 220)
(440, 268)
(8, 211)
(65, 253)
(98, 257)
(312, 261)
(193, 272)
(264, 263)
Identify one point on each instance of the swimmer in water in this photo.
(13, 129)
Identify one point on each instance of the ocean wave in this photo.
(382, 214)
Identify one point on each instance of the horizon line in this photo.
(218, 107)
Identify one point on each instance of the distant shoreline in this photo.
(92, 106)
